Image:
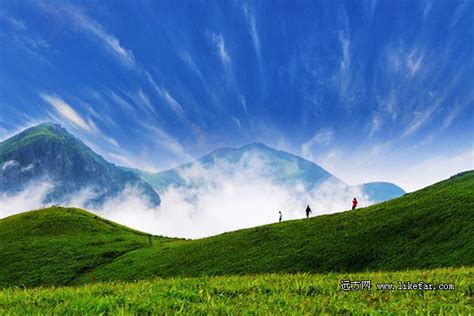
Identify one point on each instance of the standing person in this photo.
(354, 203)
(308, 211)
(280, 217)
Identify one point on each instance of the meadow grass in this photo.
(285, 294)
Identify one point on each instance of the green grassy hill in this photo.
(56, 245)
(433, 227)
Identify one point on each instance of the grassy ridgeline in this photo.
(281, 294)
(433, 227)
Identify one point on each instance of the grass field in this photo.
(285, 294)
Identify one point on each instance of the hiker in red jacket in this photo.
(354, 203)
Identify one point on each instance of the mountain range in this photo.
(278, 166)
(49, 152)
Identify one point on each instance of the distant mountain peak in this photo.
(49, 151)
(56, 127)
(47, 124)
(256, 146)
(43, 129)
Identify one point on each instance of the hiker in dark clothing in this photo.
(354, 203)
(308, 211)
(281, 216)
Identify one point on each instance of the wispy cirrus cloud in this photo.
(168, 142)
(375, 124)
(91, 27)
(67, 112)
(120, 101)
(145, 101)
(252, 25)
(414, 62)
(403, 61)
(188, 60)
(219, 45)
(167, 97)
(18, 37)
(323, 137)
(18, 24)
(458, 13)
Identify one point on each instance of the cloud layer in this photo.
(227, 197)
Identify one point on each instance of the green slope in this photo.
(433, 227)
(56, 245)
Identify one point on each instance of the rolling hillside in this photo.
(430, 228)
(56, 245)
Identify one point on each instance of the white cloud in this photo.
(91, 27)
(67, 112)
(376, 124)
(184, 55)
(167, 142)
(120, 101)
(455, 111)
(8, 164)
(108, 39)
(409, 169)
(413, 61)
(243, 101)
(427, 9)
(175, 106)
(390, 105)
(30, 198)
(344, 75)
(111, 141)
(18, 24)
(459, 12)
(434, 169)
(423, 117)
(103, 115)
(25, 42)
(144, 100)
(189, 61)
(404, 61)
(231, 197)
(218, 41)
(346, 58)
(323, 137)
(253, 32)
(236, 121)
(167, 97)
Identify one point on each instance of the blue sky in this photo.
(370, 90)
